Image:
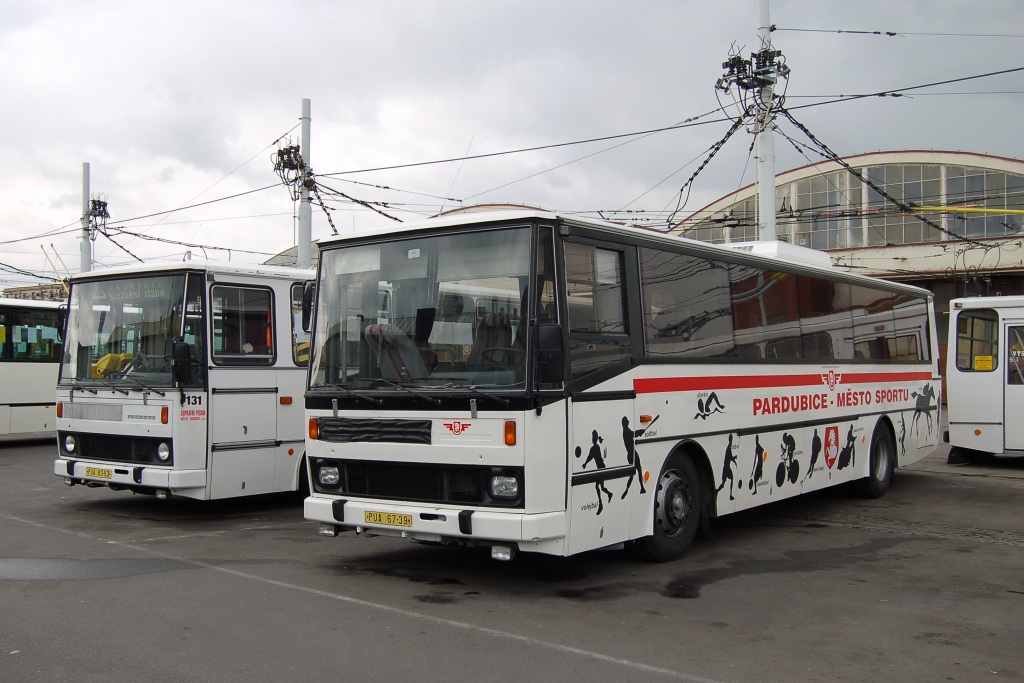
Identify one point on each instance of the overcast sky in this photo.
(179, 103)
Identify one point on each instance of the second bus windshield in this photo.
(434, 312)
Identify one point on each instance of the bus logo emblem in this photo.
(831, 446)
(832, 378)
(457, 427)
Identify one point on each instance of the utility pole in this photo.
(86, 251)
(764, 129)
(305, 234)
(757, 79)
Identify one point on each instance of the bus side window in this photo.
(977, 341)
(597, 321)
(243, 325)
(300, 337)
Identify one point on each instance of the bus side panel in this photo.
(243, 437)
(291, 429)
(28, 397)
(33, 419)
(602, 472)
(190, 421)
(766, 438)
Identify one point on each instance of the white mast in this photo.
(86, 252)
(305, 235)
(765, 136)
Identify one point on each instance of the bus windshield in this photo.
(432, 312)
(122, 330)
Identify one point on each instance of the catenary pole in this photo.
(765, 138)
(305, 236)
(86, 252)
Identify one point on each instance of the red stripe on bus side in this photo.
(654, 385)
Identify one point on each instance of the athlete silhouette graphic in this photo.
(759, 457)
(709, 406)
(598, 458)
(815, 452)
(629, 441)
(730, 460)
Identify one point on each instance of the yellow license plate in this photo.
(386, 518)
(98, 472)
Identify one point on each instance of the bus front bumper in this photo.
(128, 476)
(438, 524)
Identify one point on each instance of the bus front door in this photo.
(603, 469)
(1013, 399)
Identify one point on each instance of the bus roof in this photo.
(759, 253)
(29, 303)
(216, 267)
(987, 302)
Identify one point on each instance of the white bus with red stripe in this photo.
(544, 383)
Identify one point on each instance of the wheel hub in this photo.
(673, 507)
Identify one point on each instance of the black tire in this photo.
(958, 455)
(677, 511)
(303, 490)
(881, 460)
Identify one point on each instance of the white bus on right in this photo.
(985, 377)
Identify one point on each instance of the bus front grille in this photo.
(126, 449)
(369, 430)
(397, 481)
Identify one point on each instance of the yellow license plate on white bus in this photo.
(386, 518)
(98, 472)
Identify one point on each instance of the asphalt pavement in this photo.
(924, 584)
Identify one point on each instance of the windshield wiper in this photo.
(484, 394)
(110, 385)
(76, 385)
(418, 394)
(356, 394)
(144, 385)
(470, 389)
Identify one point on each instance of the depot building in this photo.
(962, 236)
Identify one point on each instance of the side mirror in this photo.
(181, 355)
(550, 358)
(62, 324)
(308, 299)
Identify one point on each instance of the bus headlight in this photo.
(504, 486)
(328, 476)
(69, 444)
(163, 451)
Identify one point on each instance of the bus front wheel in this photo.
(881, 459)
(677, 510)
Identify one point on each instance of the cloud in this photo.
(173, 104)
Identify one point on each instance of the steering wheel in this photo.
(137, 361)
(506, 355)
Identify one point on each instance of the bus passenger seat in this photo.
(492, 332)
(397, 355)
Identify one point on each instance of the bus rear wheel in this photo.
(881, 460)
(677, 510)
